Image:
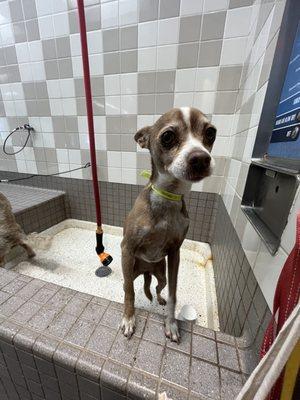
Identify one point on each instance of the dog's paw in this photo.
(31, 254)
(161, 301)
(171, 330)
(128, 326)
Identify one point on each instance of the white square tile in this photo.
(183, 99)
(128, 83)
(267, 270)
(100, 124)
(22, 51)
(147, 59)
(191, 7)
(6, 91)
(112, 105)
(38, 71)
(35, 50)
(60, 5)
(20, 107)
(31, 167)
(109, 14)
(5, 17)
(205, 101)
(46, 124)
(35, 122)
(21, 165)
(67, 87)
(62, 167)
(114, 175)
(112, 84)
(69, 106)
(251, 243)
(43, 7)
(168, 31)
(221, 147)
(75, 44)
(100, 141)
(197, 187)
(129, 104)
(223, 123)
(9, 107)
(233, 51)
(7, 34)
(114, 159)
(74, 156)
(128, 159)
(128, 12)
(207, 79)
(129, 176)
(185, 80)
(84, 141)
(53, 87)
(237, 22)
(46, 27)
(29, 154)
(147, 34)
(61, 24)
(17, 91)
(26, 72)
(56, 106)
(144, 120)
(167, 57)
(96, 64)
(82, 124)
(95, 42)
(77, 67)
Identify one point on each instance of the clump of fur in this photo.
(39, 241)
(11, 234)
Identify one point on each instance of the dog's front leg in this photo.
(171, 323)
(128, 321)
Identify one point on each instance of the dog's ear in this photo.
(142, 137)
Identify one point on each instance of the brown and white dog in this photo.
(180, 143)
(11, 234)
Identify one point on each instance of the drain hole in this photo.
(276, 189)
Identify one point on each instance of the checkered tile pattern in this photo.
(146, 56)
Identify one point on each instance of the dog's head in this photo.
(180, 143)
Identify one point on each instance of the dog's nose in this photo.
(199, 160)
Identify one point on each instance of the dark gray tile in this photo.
(141, 386)
(124, 350)
(169, 8)
(204, 379)
(149, 357)
(102, 340)
(231, 384)
(176, 367)
(187, 55)
(204, 348)
(190, 28)
(148, 10)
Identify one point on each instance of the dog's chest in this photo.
(166, 233)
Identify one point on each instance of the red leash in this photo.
(285, 300)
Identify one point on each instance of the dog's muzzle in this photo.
(198, 163)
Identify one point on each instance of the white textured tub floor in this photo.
(71, 261)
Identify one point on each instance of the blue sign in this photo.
(285, 139)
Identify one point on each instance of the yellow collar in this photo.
(160, 192)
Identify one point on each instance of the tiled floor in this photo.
(55, 341)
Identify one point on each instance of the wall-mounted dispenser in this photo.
(273, 176)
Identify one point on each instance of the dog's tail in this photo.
(39, 241)
(147, 283)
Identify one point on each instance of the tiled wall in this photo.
(117, 200)
(261, 45)
(146, 56)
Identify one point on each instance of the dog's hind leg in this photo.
(160, 275)
(147, 283)
(28, 249)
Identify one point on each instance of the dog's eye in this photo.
(167, 138)
(211, 133)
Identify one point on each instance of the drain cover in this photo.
(103, 271)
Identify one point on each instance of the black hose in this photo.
(28, 128)
(87, 165)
